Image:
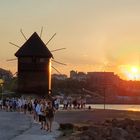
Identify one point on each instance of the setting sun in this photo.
(131, 72)
(134, 69)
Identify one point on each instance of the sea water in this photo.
(115, 107)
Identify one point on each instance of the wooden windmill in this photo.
(34, 66)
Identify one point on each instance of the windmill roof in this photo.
(34, 46)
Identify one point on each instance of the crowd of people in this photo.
(75, 103)
(42, 110)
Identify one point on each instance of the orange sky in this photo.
(100, 35)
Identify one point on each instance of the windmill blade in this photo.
(92, 93)
(50, 39)
(11, 59)
(58, 49)
(15, 73)
(23, 34)
(41, 32)
(14, 44)
(56, 69)
(58, 62)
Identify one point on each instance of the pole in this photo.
(2, 92)
(104, 98)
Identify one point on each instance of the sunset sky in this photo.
(100, 35)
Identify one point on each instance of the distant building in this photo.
(6, 75)
(103, 82)
(73, 74)
(103, 78)
(80, 76)
(59, 76)
(130, 88)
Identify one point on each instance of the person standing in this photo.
(0, 104)
(38, 111)
(43, 114)
(50, 111)
(30, 107)
(35, 115)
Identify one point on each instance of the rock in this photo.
(137, 125)
(129, 129)
(66, 126)
(129, 121)
(86, 138)
(119, 133)
(91, 134)
(76, 133)
(107, 123)
(85, 128)
(114, 122)
(114, 129)
(126, 123)
(81, 127)
(106, 132)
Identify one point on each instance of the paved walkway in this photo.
(34, 133)
(17, 126)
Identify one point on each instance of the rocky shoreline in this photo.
(98, 124)
(113, 129)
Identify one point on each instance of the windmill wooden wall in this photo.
(34, 67)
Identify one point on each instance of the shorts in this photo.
(42, 118)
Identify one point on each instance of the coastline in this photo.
(73, 124)
(123, 107)
(81, 119)
(97, 115)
